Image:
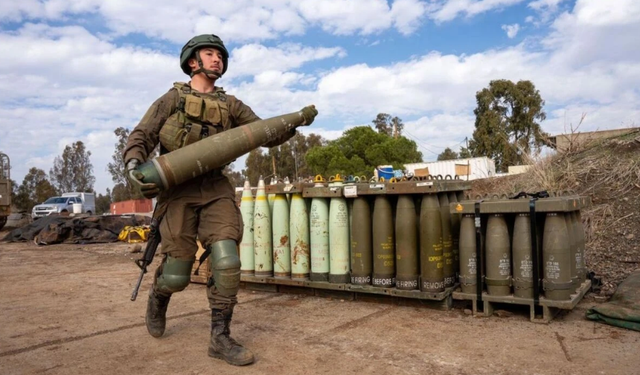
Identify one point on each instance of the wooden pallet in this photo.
(550, 308)
(442, 300)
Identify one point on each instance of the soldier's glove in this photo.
(148, 190)
(308, 114)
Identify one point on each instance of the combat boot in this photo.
(156, 318)
(222, 345)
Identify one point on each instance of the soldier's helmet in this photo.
(201, 41)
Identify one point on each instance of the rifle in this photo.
(149, 253)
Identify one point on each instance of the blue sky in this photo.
(78, 70)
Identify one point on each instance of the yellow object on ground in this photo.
(131, 234)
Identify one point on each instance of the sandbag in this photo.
(623, 309)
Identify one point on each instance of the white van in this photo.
(88, 201)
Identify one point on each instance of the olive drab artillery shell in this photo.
(431, 260)
(455, 236)
(498, 256)
(215, 151)
(280, 238)
(338, 237)
(447, 241)
(361, 245)
(468, 254)
(384, 268)
(581, 269)
(556, 258)
(299, 240)
(262, 234)
(522, 261)
(319, 238)
(407, 260)
(246, 245)
(572, 246)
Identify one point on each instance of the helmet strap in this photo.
(211, 74)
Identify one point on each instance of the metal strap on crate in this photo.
(550, 285)
(498, 282)
(534, 251)
(478, 222)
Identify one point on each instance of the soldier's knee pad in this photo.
(175, 275)
(225, 267)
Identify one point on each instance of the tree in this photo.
(118, 171)
(288, 158)
(464, 153)
(121, 193)
(235, 178)
(448, 154)
(35, 189)
(359, 151)
(258, 164)
(385, 124)
(73, 170)
(103, 203)
(507, 122)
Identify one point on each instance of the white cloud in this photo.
(251, 59)
(512, 30)
(234, 21)
(447, 10)
(541, 5)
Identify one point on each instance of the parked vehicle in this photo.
(5, 189)
(67, 203)
(88, 201)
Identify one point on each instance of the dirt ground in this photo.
(66, 310)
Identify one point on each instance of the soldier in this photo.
(203, 207)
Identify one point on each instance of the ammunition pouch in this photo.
(225, 267)
(551, 285)
(198, 116)
(497, 282)
(174, 275)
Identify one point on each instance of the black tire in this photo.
(3, 221)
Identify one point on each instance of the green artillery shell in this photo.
(431, 262)
(262, 234)
(384, 268)
(522, 262)
(556, 258)
(319, 239)
(498, 255)
(581, 268)
(281, 246)
(215, 151)
(407, 264)
(299, 231)
(468, 254)
(455, 236)
(361, 246)
(246, 245)
(447, 241)
(338, 239)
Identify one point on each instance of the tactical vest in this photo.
(198, 116)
